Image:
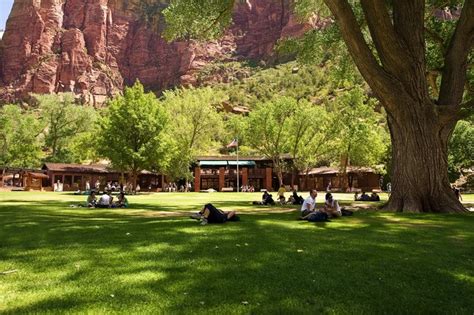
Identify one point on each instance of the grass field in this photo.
(151, 258)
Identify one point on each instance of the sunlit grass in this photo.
(136, 261)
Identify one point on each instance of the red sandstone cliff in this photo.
(95, 47)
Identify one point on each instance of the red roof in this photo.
(38, 175)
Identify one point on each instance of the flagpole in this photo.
(238, 175)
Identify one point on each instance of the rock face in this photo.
(94, 47)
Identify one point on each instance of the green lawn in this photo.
(152, 259)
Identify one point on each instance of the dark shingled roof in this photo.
(77, 168)
(325, 170)
(81, 168)
(234, 158)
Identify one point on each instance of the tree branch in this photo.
(214, 22)
(387, 89)
(436, 38)
(390, 50)
(455, 62)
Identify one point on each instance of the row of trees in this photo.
(138, 131)
(419, 67)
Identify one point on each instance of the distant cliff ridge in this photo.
(95, 47)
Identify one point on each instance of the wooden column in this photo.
(221, 178)
(197, 179)
(268, 178)
(245, 176)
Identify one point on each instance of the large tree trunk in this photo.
(420, 128)
(419, 156)
(3, 175)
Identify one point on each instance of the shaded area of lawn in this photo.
(76, 260)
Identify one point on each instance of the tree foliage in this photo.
(268, 128)
(197, 18)
(194, 127)
(64, 121)
(461, 149)
(358, 136)
(131, 135)
(394, 45)
(20, 141)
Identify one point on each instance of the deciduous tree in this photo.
(392, 44)
(132, 136)
(20, 141)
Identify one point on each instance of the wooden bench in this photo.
(228, 189)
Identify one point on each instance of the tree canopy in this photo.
(64, 122)
(20, 141)
(131, 134)
(394, 45)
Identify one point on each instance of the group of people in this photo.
(111, 186)
(247, 188)
(330, 209)
(267, 198)
(294, 199)
(364, 197)
(309, 212)
(106, 200)
(172, 187)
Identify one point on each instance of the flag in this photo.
(233, 144)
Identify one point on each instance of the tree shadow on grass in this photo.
(368, 263)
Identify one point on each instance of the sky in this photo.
(5, 8)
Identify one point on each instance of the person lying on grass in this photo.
(210, 214)
(365, 197)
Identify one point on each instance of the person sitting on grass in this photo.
(92, 200)
(122, 201)
(281, 194)
(267, 199)
(374, 197)
(457, 192)
(297, 200)
(331, 207)
(363, 197)
(210, 214)
(308, 209)
(309, 204)
(105, 200)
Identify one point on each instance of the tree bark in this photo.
(3, 175)
(419, 156)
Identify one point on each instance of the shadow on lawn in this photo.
(368, 263)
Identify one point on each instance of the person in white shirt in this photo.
(105, 200)
(309, 204)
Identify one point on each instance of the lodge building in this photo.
(210, 172)
(220, 173)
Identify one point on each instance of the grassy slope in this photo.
(133, 260)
